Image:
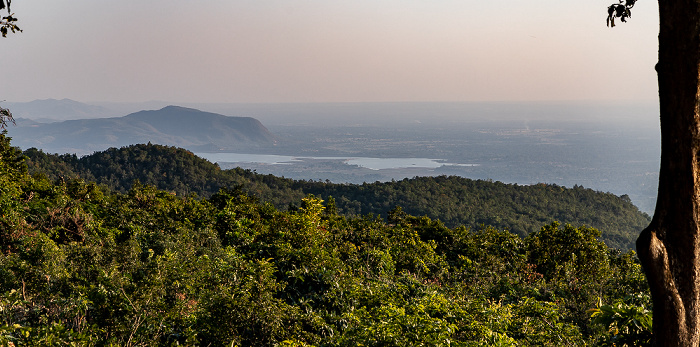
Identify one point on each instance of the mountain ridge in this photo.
(170, 126)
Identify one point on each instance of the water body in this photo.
(606, 147)
(270, 159)
(364, 162)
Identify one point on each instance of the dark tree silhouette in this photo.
(8, 23)
(622, 10)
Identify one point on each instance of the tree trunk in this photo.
(669, 248)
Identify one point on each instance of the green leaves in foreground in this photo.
(82, 265)
(628, 321)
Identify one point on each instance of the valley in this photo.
(609, 147)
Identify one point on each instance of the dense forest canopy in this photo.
(81, 264)
(453, 200)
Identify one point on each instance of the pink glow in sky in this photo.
(328, 51)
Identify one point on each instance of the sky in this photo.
(277, 51)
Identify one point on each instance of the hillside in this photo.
(453, 200)
(81, 265)
(172, 125)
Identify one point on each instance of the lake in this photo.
(365, 162)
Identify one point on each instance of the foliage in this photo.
(573, 261)
(628, 321)
(85, 265)
(521, 209)
(454, 200)
(622, 10)
(5, 117)
(7, 22)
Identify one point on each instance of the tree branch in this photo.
(622, 10)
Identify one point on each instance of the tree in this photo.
(669, 248)
(5, 117)
(622, 10)
(7, 23)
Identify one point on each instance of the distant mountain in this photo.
(52, 110)
(172, 126)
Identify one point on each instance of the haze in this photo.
(328, 51)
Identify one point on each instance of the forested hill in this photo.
(81, 265)
(453, 200)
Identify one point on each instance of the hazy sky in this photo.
(328, 51)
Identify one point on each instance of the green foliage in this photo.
(573, 264)
(12, 175)
(521, 209)
(568, 254)
(427, 321)
(453, 200)
(82, 264)
(628, 322)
